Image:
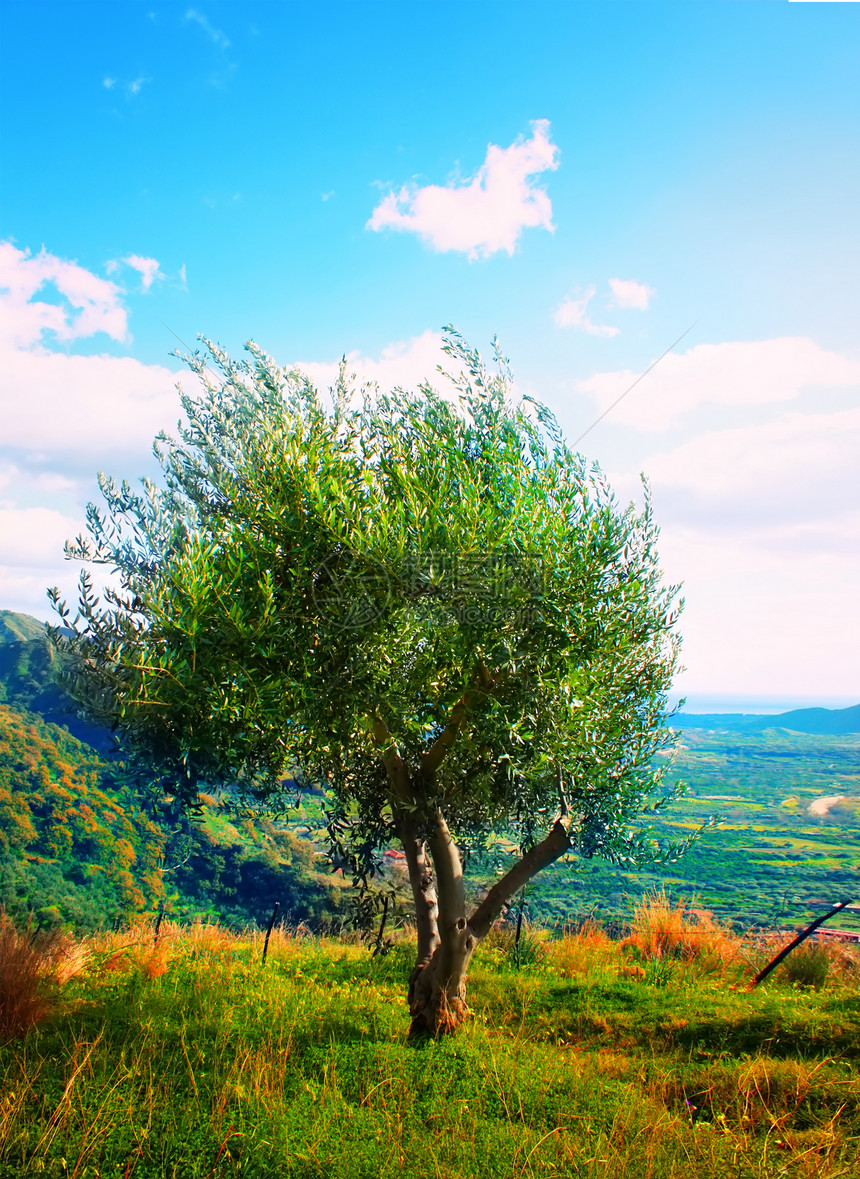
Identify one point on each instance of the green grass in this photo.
(192, 1059)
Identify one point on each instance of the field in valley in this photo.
(765, 857)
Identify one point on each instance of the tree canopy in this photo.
(424, 602)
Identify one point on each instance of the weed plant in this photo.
(186, 1057)
(24, 995)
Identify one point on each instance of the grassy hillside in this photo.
(647, 1059)
(19, 628)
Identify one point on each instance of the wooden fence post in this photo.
(158, 922)
(801, 937)
(269, 930)
(378, 948)
(519, 928)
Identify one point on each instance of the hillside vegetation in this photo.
(780, 812)
(188, 1057)
(76, 848)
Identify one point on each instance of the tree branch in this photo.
(414, 845)
(448, 869)
(399, 777)
(422, 884)
(550, 848)
(485, 683)
(435, 755)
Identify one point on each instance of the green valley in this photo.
(77, 848)
(770, 853)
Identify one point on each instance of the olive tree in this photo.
(424, 603)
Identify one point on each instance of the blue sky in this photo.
(586, 180)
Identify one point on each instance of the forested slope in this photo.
(76, 847)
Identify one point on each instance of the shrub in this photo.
(24, 996)
(527, 950)
(807, 966)
(661, 929)
(578, 952)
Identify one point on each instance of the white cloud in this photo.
(33, 558)
(488, 213)
(131, 88)
(148, 269)
(573, 313)
(760, 620)
(216, 36)
(759, 520)
(64, 416)
(23, 588)
(757, 372)
(47, 482)
(760, 523)
(799, 464)
(791, 485)
(92, 304)
(34, 537)
(405, 364)
(630, 295)
(183, 276)
(91, 405)
(60, 403)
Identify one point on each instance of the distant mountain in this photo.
(19, 628)
(28, 669)
(819, 721)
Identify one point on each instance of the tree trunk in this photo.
(437, 991)
(446, 939)
(437, 986)
(423, 888)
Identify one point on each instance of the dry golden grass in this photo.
(25, 999)
(662, 929)
(204, 939)
(69, 958)
(659, 931)
(584, 950)
(843, 959)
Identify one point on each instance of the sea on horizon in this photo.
(699, 704)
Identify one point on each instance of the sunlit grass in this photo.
(187, 1057)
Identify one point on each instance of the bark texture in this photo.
(422, 881)
(437, 991)
(437, 986)
(447, 939)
